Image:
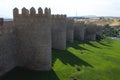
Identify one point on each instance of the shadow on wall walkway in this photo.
(25, 74)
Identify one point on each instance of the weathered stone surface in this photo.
(79, 30)
(70, 30)
(91, 30)
(59, 32)
(7, 52)
(99, 30)
(33, 33)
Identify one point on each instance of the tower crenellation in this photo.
(46, 13)
(15, 12)
(40, 11)
(59, 16)
(32, 11)
(25, 12)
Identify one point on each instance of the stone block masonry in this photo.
(7, 52)
(59, 32)
(79, 30)
(90, 32)
(33, 33)
(70, 30)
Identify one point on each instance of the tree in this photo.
(110, 31)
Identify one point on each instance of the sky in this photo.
(69, 7)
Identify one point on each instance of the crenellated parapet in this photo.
(32, 12)
(59, 17)
(31, 17)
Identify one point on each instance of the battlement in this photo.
(70, 21)
(79, 23)
(32, 12)
(58, 16)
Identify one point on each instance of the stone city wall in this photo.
(7, 52)
(34, 34)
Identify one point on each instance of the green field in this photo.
(95, 60)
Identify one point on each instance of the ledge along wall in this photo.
(33, 33)
(59, 32)
(70, 30)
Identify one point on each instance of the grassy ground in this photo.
(81, 60)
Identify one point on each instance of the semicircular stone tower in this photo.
(59, 26)
(90, 32)
(70, 30)
(79, 30)
(33, 33)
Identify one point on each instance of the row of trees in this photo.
(111, 31)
